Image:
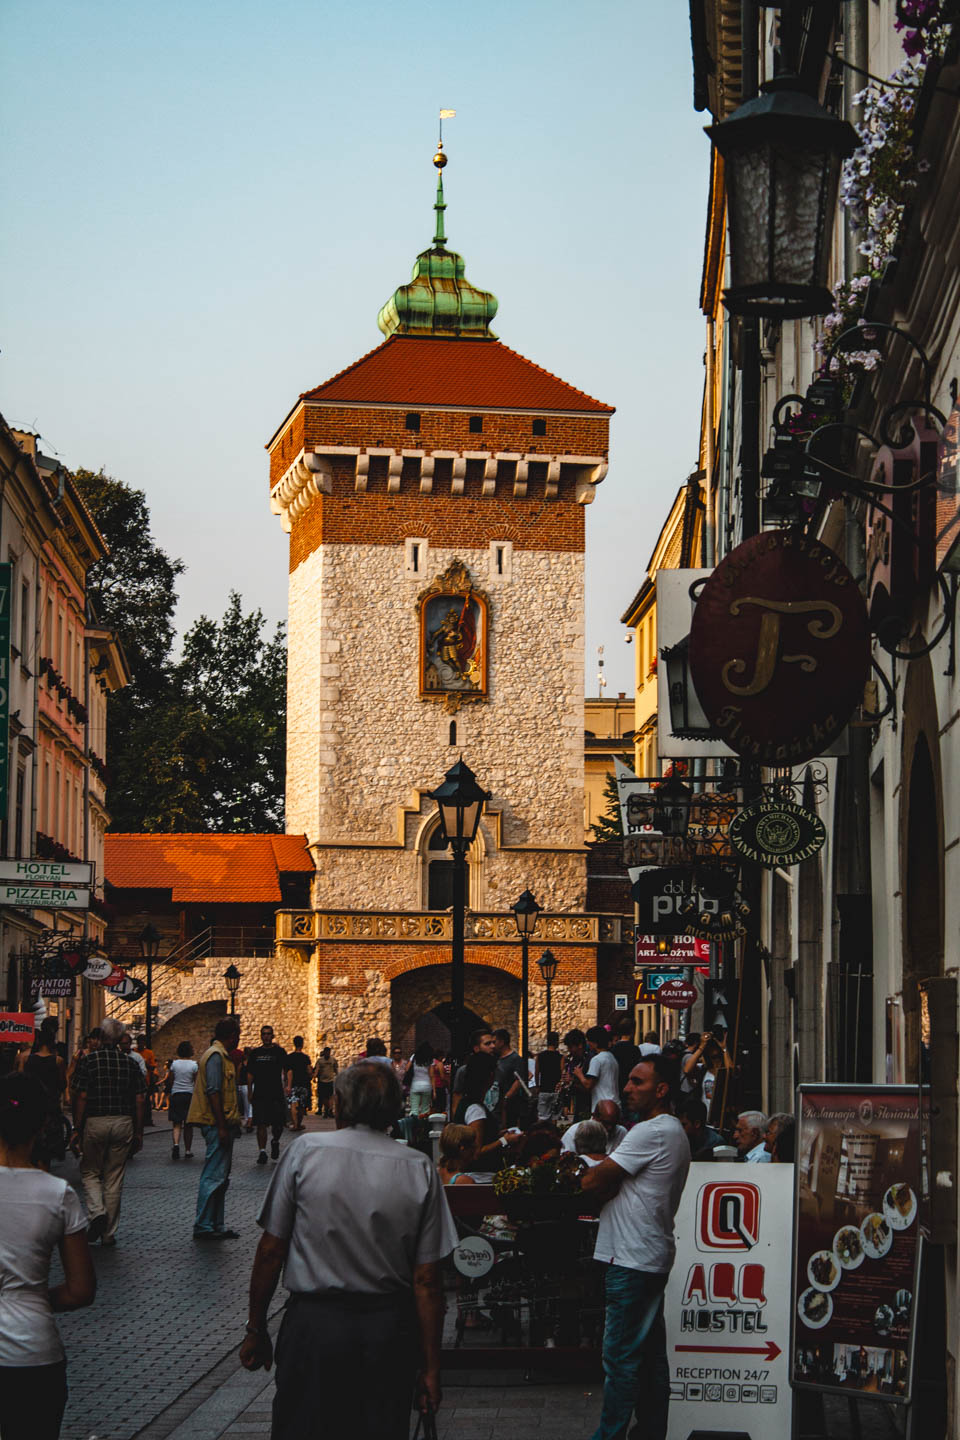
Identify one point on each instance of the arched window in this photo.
(439, 873)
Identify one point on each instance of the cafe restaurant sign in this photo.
(780, 648)
(777, 832)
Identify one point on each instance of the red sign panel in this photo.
(728, 1216)
(677, 994)
(16, 1028)
(684, 950)
(780, 647)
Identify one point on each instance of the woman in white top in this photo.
(37, 1212)
(183, 1073)
(421, 1080)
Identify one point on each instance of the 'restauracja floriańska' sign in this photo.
(780, 647)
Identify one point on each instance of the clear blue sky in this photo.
(205, 205)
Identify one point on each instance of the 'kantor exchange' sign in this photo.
(780, 647)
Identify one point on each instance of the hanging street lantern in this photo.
(687, 720)
(671, 807)
(782, 153)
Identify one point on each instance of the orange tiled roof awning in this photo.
(211, 869)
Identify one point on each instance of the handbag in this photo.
(426, 1425)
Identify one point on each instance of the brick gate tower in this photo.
(434, 495)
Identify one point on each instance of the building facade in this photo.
(63, 667)
(434, 495)
(853, 976)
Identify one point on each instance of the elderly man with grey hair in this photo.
(748, 1136)
(607, 1114)
(358, 1224)
(108, 1099)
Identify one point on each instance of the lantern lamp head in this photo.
(671, 809)
(548, 963)
(664, 944)
(460, 801)
(233, 977)
(782, 153)
(149, 939)
(525, 912)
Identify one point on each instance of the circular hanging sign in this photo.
(98, 967)
(473, 1256)
(677, 994)
(780, 648)
(777, 832)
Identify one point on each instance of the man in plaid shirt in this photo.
(108, 1099)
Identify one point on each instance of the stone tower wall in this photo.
(361, 742)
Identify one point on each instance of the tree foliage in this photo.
(195, 742)
(609, 825)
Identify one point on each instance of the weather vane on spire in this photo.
(440, 160)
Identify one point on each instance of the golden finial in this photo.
(440, 159)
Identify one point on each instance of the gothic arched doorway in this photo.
(420, 1004)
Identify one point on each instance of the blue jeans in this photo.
(214, 1179)
(634, 1356)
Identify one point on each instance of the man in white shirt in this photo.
(602, 1077)
(748, 1136)
(608, 1113)
(359, 1225)
(640, 1185)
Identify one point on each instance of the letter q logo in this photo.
(728, 1216)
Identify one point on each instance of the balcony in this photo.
(309, 927)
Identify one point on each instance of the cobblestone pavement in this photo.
(167, 1310)
(155, 1358)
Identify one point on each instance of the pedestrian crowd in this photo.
(357, 1224)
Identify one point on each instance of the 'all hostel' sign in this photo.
(727, 1303)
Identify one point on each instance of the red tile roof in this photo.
(427, 370)
(216, 869)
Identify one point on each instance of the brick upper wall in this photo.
(312, 425)
(469, 521)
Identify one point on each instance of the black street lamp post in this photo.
(548, 963)
(233, 977)
(460, 802)
(150, 938)
(526, 912)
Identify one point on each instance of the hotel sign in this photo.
(780, 648)
(45, 872)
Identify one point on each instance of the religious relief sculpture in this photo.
(453, 639)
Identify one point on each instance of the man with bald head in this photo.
(608, 1114)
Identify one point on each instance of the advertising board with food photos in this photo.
(856, 1255)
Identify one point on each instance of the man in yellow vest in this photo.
(215, 1109)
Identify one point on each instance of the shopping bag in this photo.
(426, 1426)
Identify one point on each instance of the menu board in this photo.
(857, 1239)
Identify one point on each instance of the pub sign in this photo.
(780, 647)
